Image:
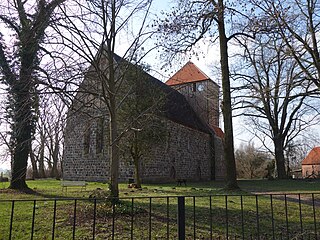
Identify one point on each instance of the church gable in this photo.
(187, 74)
(200, 91)
(88, 159)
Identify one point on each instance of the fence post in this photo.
(181, 218)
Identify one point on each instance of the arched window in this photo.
(86, 139)
(100, 135)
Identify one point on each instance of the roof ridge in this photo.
(187, 74)
(200, 70)
(313, 157)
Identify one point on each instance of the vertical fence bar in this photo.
(168, 219)
(74, 219)
(54, 218)
(33, 218)
(181, 219)
(227, 217)
(272, 216)
(194, 217)
(286, 212)
(300, 214)
(257, 217)
(210, 218)
(314, 218)
(150, 224)
(132, 217)
(242, 217)
(94, 219)
(11, 219)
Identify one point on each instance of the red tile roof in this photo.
(218, 132)
(187, 74)
(313, 158)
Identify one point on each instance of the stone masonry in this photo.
(184, 153)
(191, 149)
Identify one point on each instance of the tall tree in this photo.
(251, 163)
(95, 35)
(226, 102)
(46, 148)
(27, 21)
(277, 100)
(143, 112)
(183, 28)
(298, 23)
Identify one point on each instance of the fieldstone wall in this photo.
(184, 153)
(78, 164)
(220, 165)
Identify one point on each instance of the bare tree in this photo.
(277, 100)
(299, 148)
(26, 22)
(6, 151)
(192, 21)
(298, 24)
(143, 112)
(94, 35)
(251, 163)
(46, 149)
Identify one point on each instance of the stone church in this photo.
(192, 148)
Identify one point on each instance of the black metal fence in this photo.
(275, 216)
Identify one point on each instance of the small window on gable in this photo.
(86, 139)
(194, 87)
(100, 135)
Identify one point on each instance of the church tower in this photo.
(200, 91)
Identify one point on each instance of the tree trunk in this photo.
(226, 106)
(137, 171)
(22, 89)
(111, 82)
(42, 173)
(136, 159)
(22, 130)
(114, 154)
(55, 156)
(114, 148)
(280, 159)
(35, 173)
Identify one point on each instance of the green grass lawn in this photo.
(210, 211)
(53, 189)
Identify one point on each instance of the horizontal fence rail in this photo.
(272, 216)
